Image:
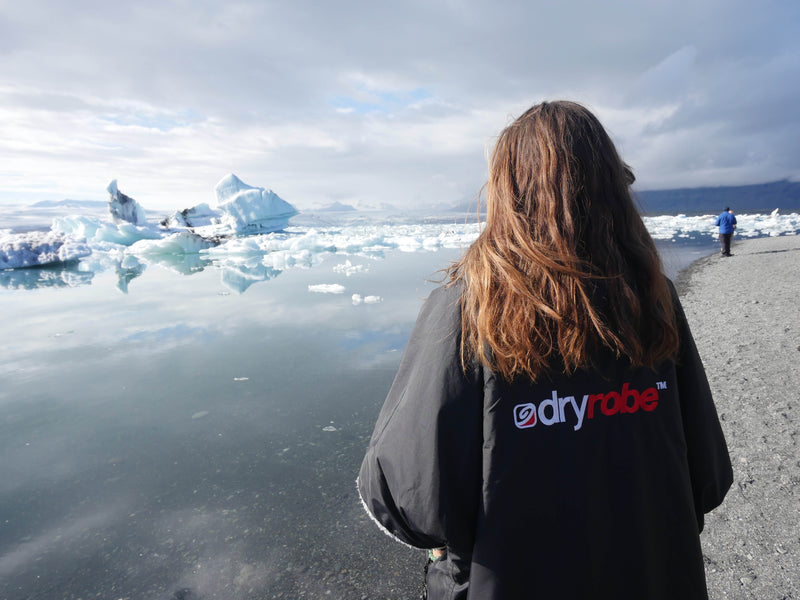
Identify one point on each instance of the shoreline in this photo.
(745, 317)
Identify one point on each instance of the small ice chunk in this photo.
(359, 299)
(349, 268)
(327, 288)
(329, 428)
(201, 215)
(200, 415)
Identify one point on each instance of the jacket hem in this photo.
(380, 525)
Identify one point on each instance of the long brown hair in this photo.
(564, 266)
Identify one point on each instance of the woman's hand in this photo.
(436, 553)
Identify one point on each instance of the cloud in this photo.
(368, 103)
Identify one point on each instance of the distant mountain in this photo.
(70, 204)
(763, 197)
(336, 207)
(468, 206)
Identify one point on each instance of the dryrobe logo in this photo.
(562, 409)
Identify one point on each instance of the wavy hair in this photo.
(564, 266)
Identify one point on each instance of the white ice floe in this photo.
(327, 288)
(349, 268)
(97, 231)
(772, 224)
(40, 248)
(359, 299)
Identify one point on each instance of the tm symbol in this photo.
(661, 385)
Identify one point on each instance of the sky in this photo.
(369, 103)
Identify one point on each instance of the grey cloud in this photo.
(231, 76)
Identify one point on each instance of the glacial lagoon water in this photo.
(183, 441)
(169, 432)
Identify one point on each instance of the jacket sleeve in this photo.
(709, 462)
(421, 477)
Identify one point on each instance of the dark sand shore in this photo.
(745, 315)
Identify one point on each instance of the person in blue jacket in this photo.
(550, 432)
(726, 222)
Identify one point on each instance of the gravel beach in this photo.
(745, 315)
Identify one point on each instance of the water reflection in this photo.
(62, 276)
(185, 264)
(127, 270)
(184, 443)
(237, 274)
(238, 278)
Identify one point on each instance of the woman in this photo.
(551, 427)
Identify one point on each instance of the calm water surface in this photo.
(183, 441)
(180, 441)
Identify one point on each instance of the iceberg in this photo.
(245, 208)
(240, 209)
(38, 248)
(124, 208)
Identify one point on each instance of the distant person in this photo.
(550, 431)
(726, 222)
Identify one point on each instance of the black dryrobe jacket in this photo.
(592, 485)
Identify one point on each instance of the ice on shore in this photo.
(40, 248)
